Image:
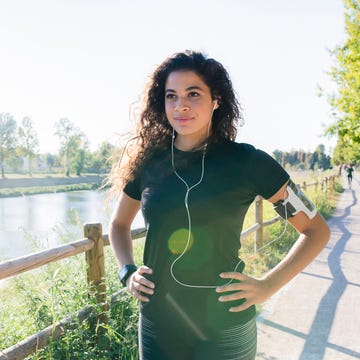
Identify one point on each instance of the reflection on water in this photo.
(37, 220)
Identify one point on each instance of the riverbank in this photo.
(19, 186)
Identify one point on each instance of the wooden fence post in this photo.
(96, 273)
(259, 219)
(332, 177)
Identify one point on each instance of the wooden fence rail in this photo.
(92, 245)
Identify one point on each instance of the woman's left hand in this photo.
(253, 291)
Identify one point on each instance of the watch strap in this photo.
(125, 272)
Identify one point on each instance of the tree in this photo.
(278, 155)
(28, 140)
(50, 161)
(301, 160)
(80, 160)
(71, 141)
(7, 138)
(345, 102)
(323, 160)
(345, 153)
(101, 158)
(15, 160)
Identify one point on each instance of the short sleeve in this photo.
(267, 175)
(132, 189)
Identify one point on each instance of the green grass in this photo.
(37, 299)
(11, 192)
(34, 300)
(277, 242)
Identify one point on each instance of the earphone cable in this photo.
(186, 203)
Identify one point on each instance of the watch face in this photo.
(123, 272)
(126, 271)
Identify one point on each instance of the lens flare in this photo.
(178, 241)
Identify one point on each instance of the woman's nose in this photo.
(181, 104)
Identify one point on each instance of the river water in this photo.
(35, 222)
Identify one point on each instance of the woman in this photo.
(194, 185)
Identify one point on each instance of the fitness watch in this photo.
(125, 272)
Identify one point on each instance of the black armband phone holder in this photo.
(295, 202)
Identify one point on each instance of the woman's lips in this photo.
(182, 119)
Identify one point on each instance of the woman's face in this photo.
(188, 106)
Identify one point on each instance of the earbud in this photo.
(216, 105)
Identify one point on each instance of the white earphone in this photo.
(216, 105)
(186, 202)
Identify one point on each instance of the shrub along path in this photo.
(316, 316)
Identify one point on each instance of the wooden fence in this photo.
(93, 246)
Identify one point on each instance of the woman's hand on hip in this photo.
(253, 291)
(139, 285)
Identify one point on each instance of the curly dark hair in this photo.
(154, 131)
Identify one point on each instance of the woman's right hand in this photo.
(139, 285)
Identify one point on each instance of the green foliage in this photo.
(34, 301)
(345, 102)
(74, 155)
(101, 158)
(346, 153)
(73, 145)
(50, 161)
(301, 160)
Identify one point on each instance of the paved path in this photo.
(317, 315)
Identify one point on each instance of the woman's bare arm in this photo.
(314, 234)
(121, 243)
(120, 229)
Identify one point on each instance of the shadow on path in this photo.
(317, 339)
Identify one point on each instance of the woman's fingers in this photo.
(251, 291)
(233, 275)
(144, 270)
(145, 288)
(139, 285)
(232, 297)
(140, 296)
(239, 284)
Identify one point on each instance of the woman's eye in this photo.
(193, 94)
(169, 96)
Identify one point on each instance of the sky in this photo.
(88, 61)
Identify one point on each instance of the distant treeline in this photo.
(19, 152)
(301, 160)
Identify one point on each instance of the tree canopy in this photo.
(73, 145)
(345, 102)
(301, 160)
